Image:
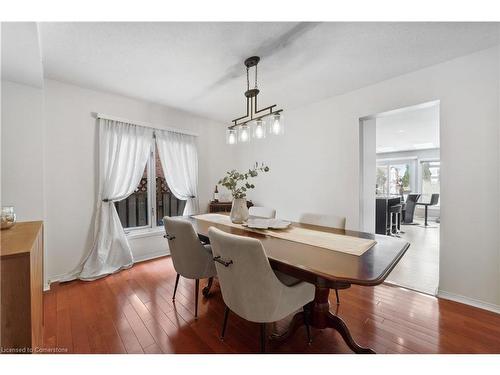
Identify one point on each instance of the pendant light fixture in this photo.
(253, 125)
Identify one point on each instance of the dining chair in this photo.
(263, 212)
(409, 208)
(323, 220)
(434, 200)
(191, 258)
(331, 221)
(250, 287)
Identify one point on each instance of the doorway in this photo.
(400, 188)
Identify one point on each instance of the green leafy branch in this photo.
(237, 182)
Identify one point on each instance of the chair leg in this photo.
(426, 215)
(337, 295)
(175, 288)
(196, 292)
(206, 290)
(224, 324)
(262, 337)
(307, 321)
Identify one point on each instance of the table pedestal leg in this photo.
(322, 318)
(339, 325)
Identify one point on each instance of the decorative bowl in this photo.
(8, 217)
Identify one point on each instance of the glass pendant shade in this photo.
(231, 136)
(244, 133)
(256, 123)
(276, 124)
(259, 129)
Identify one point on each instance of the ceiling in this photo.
(415, 128)
(198, 67)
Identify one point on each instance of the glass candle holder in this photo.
(8, 217)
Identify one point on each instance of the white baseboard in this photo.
(469, 301)
(46, 287)
(158, 254)
(143, 258)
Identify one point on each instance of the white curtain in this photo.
(123, 153)
(179, 159)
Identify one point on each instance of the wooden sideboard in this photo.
(21, 265)
(223, 206)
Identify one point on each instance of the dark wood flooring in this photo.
(132, 312)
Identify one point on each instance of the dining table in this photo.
(326, 269)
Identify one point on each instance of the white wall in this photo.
(22, 150)
(315, 166)
(367, 174)
(21, 55)
(71, 165)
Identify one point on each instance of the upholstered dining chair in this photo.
(191, 258)
(434, 200)
(323, 220)
(263, 212)
(249, 286)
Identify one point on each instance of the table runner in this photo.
(331, 241)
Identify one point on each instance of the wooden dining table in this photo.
(325, 268)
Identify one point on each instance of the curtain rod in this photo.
(144, 124)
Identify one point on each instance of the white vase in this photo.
(239, 211)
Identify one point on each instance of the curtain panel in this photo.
(123, 154)
(179, 159)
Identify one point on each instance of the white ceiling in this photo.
(198, 67)
(415, 128)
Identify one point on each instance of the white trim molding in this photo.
(158, 254)
(469, 301)
(151, 256)
(144, 232)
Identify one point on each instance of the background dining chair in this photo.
(409, 208)
(434, 200)
(249, 286)
(324, 220)
(263, 212)
(395, 213)
(191, 258)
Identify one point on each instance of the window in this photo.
(133, 211)
(393, 178)
(399, 179)
(382, 178)
(136, 211)
(166, 203)
(430, 179)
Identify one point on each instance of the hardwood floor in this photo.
(133, 312)
(419, 267)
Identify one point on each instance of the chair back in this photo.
(434, 199)
(248, 284)
(412, 198)
(323, 220)
(410, 203)
(189, 257)
(263, 212)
